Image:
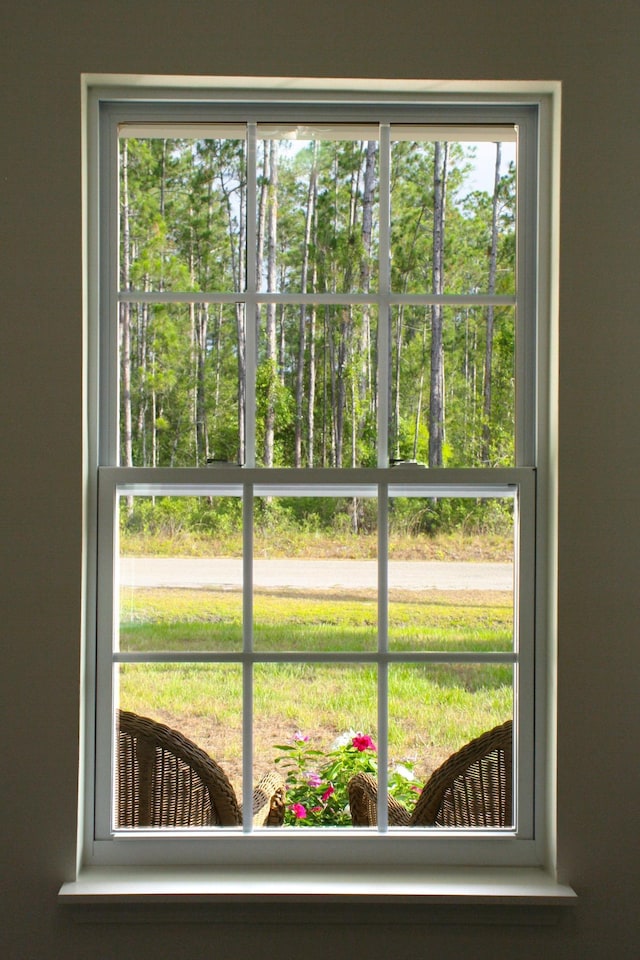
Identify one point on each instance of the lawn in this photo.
(433, 709)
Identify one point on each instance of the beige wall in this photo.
(592, 47)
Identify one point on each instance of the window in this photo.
(318, 414)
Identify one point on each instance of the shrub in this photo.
(317, 782)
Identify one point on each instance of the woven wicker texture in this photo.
(165, 780)
(472, 788)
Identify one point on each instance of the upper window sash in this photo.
(119, 117)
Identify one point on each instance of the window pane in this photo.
(452, 223)
(182, 384)
(315, 573)
(180, 573)
(318, 212)
(204, 704)
(435, 710)
(440, 388)
(451, 574)
(316, 386)
(317, 723)
(182, 213)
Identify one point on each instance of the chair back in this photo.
(473, 787)
(165, 780)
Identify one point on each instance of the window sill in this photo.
(201, 885)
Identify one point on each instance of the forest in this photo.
(392, 275)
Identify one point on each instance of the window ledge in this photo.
(438, 885)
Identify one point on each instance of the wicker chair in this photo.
(473, 788)
(165, 780)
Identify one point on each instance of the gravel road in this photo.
(317, 574)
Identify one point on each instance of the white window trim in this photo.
(534, 861)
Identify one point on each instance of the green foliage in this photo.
(411, 516)
(318, 526)
(273, 395)
(172, 517)
(183, 227)
(317, 782)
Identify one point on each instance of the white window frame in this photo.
(531, 844)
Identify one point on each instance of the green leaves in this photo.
(317, 783)
(183, 228)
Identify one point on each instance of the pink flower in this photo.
(363, 742)
(299, 810)
(314, 780)
(325, 796)
(316, 809)
(300, 737)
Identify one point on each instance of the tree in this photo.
(125, 313)
(270, 337)
(305, 269)
(183, 365)
(493, 258)
(436, 403)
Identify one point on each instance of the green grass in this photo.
(207, 620)
(434, 709)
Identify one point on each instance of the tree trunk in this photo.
(217, 340)
(272, 237)
(395, 428)
(193, 378)
(436, 410)
(262, 214)
(141, 360)
(416, 430)
(202, 435)
(367, 214)
(340, 369)
(366, 386)
(238, 274)
(488, 356)
(127, 433)
(125, 324)
(326, 357)
(302, 331)
(312, 346)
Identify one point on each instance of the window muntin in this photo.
(247, 300)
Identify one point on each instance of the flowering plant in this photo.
(317, 782)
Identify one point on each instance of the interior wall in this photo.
(591, 47)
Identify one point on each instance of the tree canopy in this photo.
(183, 229)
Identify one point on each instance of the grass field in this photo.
(433, 709)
